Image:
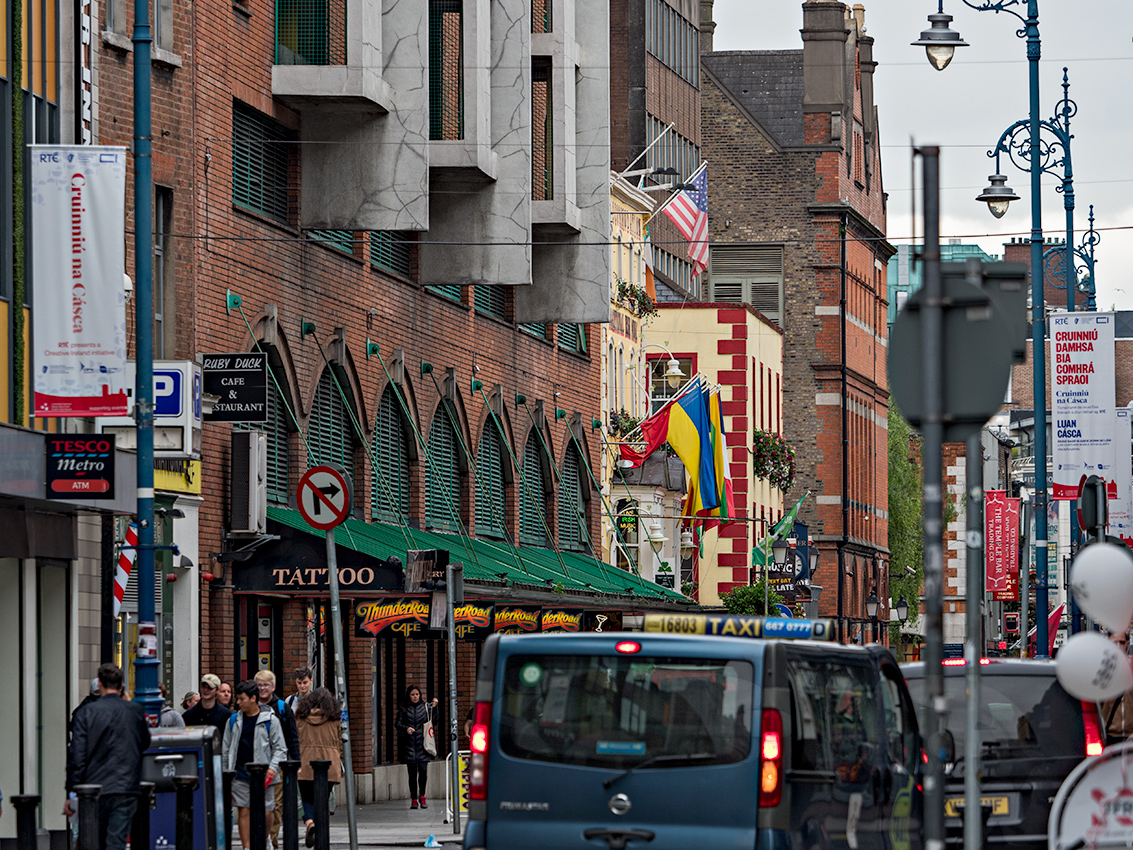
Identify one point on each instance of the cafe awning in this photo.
(492, 562)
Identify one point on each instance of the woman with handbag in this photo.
(416, 721)
(320, 738)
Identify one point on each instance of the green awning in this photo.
(489, 560)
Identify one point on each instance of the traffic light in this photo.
(1093, 512)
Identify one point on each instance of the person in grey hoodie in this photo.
(256, 736)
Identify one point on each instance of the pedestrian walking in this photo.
(209, 711)
(272, 701)
(107, 741)
(303, 679)
(189, 700)
(169, 717)
(320, 738)
(411, 721)
(255, 735)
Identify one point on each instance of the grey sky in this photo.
(965, 108)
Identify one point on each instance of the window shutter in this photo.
(534, 506)
(260, 158)
(331, 433)
(572, 517)
(443, 492)
(390, 250)
(389, 484)
(749, 274)
(491, 519)
(491, 300)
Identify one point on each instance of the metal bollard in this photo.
(226, 779)
(88, 816)
(290, 813)
(257, 820)
(139, 830)
(322, 805)
(185, 785)
(26, 805)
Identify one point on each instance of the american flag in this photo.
(689, 212)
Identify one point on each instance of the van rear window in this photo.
(621, 712)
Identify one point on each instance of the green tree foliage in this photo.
(748, 599)
(905, 534)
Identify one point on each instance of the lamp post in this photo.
(939, 54)
(872, 605)
(1084, 253)
(781, 553)
(673, 372)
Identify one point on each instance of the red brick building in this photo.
(797, 223)
(462, 428)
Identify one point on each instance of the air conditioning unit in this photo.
(249, 482)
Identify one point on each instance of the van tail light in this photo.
(771, 759)
(478, 761)
(1095, 741)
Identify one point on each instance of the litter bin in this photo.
(194, 751)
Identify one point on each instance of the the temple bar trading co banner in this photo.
(78, 252)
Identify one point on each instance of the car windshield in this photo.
(1020, 716)
(620, 712)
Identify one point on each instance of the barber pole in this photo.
(125, 564)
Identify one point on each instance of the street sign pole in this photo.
(932, 429)
(324, 497)
(340, 686)
(450, 623)
(973, 819)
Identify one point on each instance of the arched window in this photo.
(491, 516)
(442, 492)
(331, 431)
(389, 483)
(277, 426)
(573, 533)
(533, 509)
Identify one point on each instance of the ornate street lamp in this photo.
(938, 41)
(902, 609)
(997, 195)
(872, 604)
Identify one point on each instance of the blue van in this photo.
(703, 731)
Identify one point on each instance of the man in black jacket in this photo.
(207, 711)
(107, 742)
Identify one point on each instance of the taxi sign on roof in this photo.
(724, 625)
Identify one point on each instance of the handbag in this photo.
(429, 735)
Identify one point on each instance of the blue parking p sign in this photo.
(167, 393)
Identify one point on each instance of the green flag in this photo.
(780, 531)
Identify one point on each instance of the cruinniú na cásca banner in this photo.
(78, 261)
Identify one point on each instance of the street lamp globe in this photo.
(939, 41)
(998, 195)
(688, 545)
(902, 609)
(673, 373)
(872, 604)
(780, 551)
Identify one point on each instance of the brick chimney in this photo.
(825, 31)
(707, 26)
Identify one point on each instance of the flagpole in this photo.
(680, 394)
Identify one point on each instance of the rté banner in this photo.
(78, 261)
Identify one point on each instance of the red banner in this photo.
(1001, 544)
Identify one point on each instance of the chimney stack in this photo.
(707, 26)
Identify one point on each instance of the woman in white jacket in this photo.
(252, 736)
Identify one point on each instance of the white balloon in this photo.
(1102, 581)
(1092, 668)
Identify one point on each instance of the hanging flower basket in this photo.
(773, 459)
